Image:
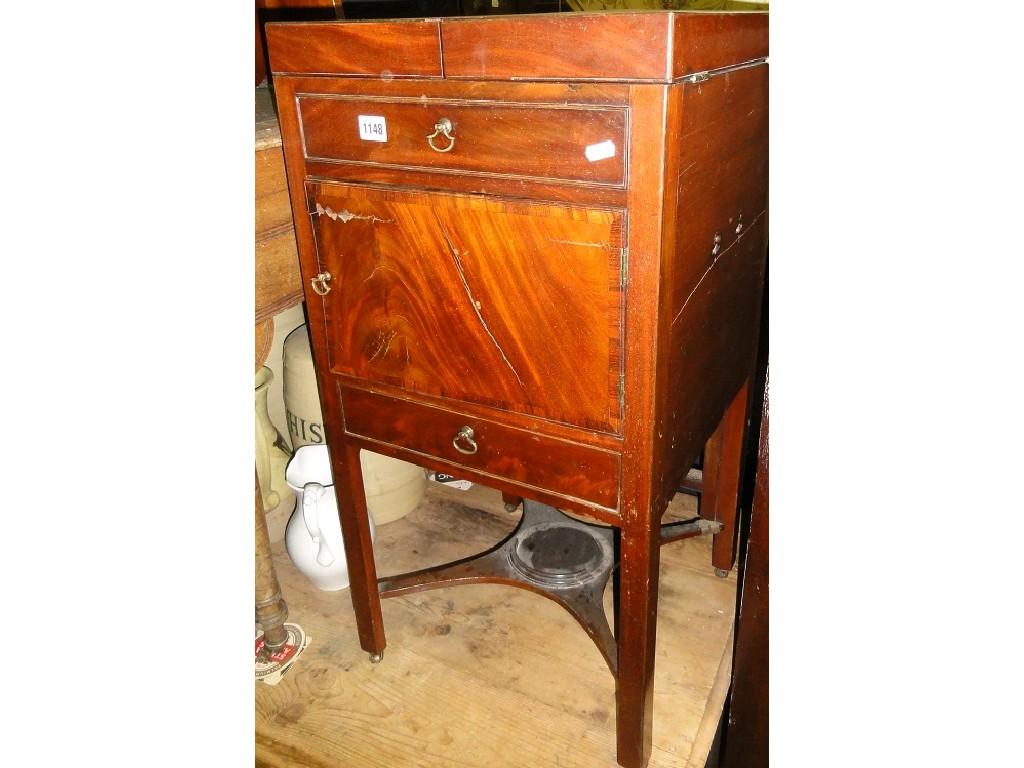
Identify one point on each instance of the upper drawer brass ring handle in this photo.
(464, 437)
(320, 283)
(444, 127)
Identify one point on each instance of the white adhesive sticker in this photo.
(448, 480)
(600, 151)
(373, 128)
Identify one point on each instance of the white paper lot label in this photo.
(600, 151)
(373, 128)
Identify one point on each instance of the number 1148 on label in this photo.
(373, 128)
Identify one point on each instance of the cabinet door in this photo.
(509, 304)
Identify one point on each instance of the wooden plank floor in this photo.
(487, 676)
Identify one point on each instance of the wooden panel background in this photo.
(278, 284)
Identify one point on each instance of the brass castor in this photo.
(510, 507)
(376, 658)
(721, 573)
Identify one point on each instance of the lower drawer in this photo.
(547, 463)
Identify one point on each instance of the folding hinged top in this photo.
(641, 46)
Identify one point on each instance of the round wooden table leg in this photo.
(271, 610)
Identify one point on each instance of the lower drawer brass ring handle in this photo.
(464, 437)
(444, 127)
(320, 283)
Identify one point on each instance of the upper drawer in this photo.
(550, 142)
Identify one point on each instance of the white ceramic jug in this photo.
(313, 536)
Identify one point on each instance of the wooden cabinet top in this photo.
(641, 46)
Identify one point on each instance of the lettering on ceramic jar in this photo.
(303, 431)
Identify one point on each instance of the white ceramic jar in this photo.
(393, 488)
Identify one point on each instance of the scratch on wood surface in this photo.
(473, 302)
(685, 170)
(721, 253)
(377, 269)
(383, 345)
(577, 242)
(390, 339)
(347, 216)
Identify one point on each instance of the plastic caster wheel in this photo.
(376, 658)
(721, 573)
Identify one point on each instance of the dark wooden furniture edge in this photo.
(742, 738)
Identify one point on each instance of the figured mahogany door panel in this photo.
(511, 305)
(570, 143)
(558, 466)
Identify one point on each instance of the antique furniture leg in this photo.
(271, 610)
(638, 615)
(721, 482)
(355, 528)
(511, 501)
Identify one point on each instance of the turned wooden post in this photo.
(271, 610)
